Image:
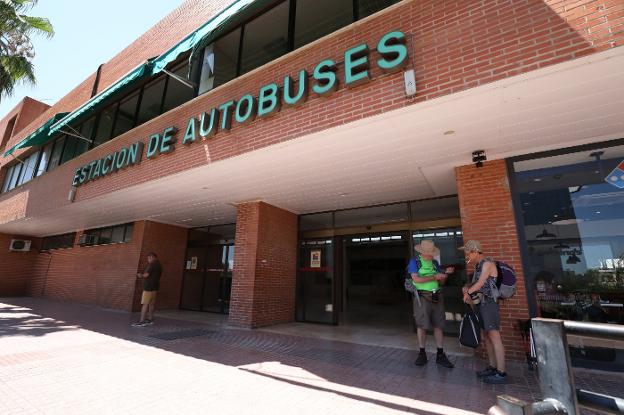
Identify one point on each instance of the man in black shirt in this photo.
(150, 288)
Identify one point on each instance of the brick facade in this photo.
(487, 215)
(263, 283)
(16, 268)
(169, 243)
(453, 46)
(103, 275)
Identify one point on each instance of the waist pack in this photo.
(506, 280)
(470, 330)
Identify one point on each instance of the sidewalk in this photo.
(63, 358)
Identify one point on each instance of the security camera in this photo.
(478, 157)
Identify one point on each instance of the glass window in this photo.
(16, 173)
(368, 7)
(71, 145)
(265, 38)
(58, 241)
(572, 208)
(151, 100)
(220, 62)
(118, 234)
(317, 18)
(126, 114)
(315, 221)
(431, 209)
(45, 157)
(7, 179)
(128, 232)
(177, 92)
(106, 235)
(28, 168)
(105, 125)
(86, 129)
(372, 215)
(55, 157)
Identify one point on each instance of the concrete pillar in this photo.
(265, 261)
(487, 215)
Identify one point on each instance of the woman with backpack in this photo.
(484, 293)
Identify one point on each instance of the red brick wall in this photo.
(16, 267)
(103, 275)
(454, 45)
(263, 283)
(169, 243)
(487, 216)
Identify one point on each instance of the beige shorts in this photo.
(148, 297)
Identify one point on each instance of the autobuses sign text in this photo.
(392, 57)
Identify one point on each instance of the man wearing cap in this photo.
(483, 289)
(428, 303)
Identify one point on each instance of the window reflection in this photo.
(574, 231)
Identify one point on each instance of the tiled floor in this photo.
(71, 359)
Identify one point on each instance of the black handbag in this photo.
(470, 330)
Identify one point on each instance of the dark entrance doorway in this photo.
(208, 269)
(374, 274)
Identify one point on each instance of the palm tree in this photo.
(16, 49)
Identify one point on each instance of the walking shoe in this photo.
(497, 378)
(488, 371)
(139, 324)
(421, 360)
(442, 360)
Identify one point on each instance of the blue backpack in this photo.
(409, 286)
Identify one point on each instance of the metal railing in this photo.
(559, 392)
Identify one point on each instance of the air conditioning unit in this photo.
(20, 245)
(86, 239)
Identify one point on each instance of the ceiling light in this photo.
(573, 259)
(545, 235)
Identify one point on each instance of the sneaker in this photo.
(148, 322)
(497, 378)
(488, 371)
(421, 360)
(139, 324)
(442, 360)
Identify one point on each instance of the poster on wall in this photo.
(194, 262)
(315, 259)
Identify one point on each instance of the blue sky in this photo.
(88, 33)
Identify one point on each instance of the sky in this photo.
(87, 33)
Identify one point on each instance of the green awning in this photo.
(195, 41)
(200, 38)
(38, 137)
(120, 86)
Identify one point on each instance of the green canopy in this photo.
(121, 85)
(194, 41)
(38, 137)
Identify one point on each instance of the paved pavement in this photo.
(62, 358)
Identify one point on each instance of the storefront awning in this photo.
(195, 41)
(121, 85)
(38, 137)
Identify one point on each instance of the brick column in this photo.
(487, 216)
(265, 261)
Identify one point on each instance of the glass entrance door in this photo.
(208, 269)
(315, 286)
(208, 278)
